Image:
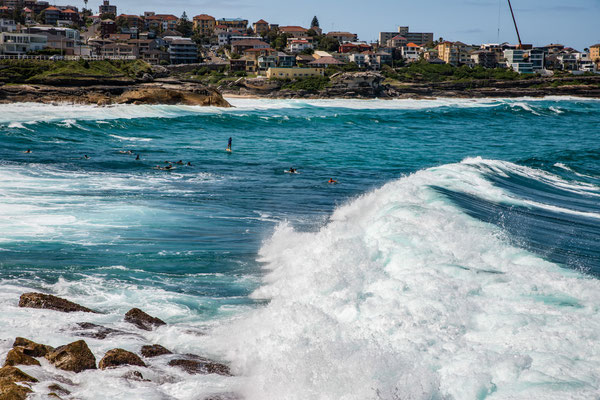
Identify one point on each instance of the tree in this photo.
(185, 26)
(315, 22)
(328, 44)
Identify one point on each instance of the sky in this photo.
(574, 23)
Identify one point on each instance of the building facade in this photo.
(12, 43)
(204, 24)
(107, 8)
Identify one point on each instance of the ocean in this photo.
(458, 256)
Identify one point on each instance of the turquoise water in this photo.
(460, 233)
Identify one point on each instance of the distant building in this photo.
(107, 8)
(414, 37)
(299, 45)
(454, 53)
(294, 73)
(285, 60)
(204, 24)
(7, 25)
(132, 21)
(359, 59)
(484, 58)
(325, 62)
(410, 52)
(162, 21)
(294, 31)
(240, 45)
(119, 50)
(595, 54)
(343, 37)
(515, 59)
(51, 15)
(537, 57)
(260, 27)
(397, 41)
(12, 43)
(183, 51)
(233, 23)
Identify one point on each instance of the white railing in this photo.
(59, 57)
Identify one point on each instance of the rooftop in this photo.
(327, 61)
(204, 17)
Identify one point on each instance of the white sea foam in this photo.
(401, 295)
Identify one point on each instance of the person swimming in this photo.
(28, 151)
(180, 162)
(86, 157)
(189, 164)
(137, 157)
(331, 180)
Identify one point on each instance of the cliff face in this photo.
(373, 85)
(141, 93)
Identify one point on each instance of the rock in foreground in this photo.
(119, 357)
(32, 349)
(201, 366)
(17, 357)
(143, 320)
(75, 357)
(50, 302)
(157, 95)
(9, 390)
(154, 351)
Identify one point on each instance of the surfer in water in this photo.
(137, 157)
(28, 151)
(86, 157)
(229, 144)
(292, 170)
(332, 181)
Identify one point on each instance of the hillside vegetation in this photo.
(75, 72)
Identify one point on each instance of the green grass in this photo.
(45, 71)
(311, 84)
(423, 72)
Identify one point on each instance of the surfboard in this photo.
(228, 150)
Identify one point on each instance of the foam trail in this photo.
(402, 295)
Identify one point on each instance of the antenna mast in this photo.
(516, 27)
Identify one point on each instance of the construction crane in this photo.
(520, 46)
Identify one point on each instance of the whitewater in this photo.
(458, 258)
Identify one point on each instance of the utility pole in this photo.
(516, 27)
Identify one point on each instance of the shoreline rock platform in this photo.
(77, 357)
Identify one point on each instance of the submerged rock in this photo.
(17, 357)
(9, 389)
(50, 302)
(134, 376)
(143, 320)
(118, 357)
(75, 357)
(154, 350)
(97, 331)
(55, 387)
(31, 348)
(201, 366)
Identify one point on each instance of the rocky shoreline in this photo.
(157, 92)
(77, 357)
(370, 85)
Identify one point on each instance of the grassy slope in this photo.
(38, 71)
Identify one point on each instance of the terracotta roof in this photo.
(51, 8)
(411, 44)
(68, 11)
(594, 46)
(398, 37)
(340, 34)
(204, 17)
(326, 61)
(262, 21)
(3, 8)
(292, 29)
(163, 17)
(129, 16)
(221, 26)
(248, 42)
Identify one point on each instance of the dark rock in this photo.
(75, 357)
(223, 396)
(154, 351)
(14, 374)
(31, 348)
(49, 302)
(97, 331)
(201, 366)
(55, 387)
(118, 357)
(142, 320)
(134, 376)
(17, 357)
(54, 396)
